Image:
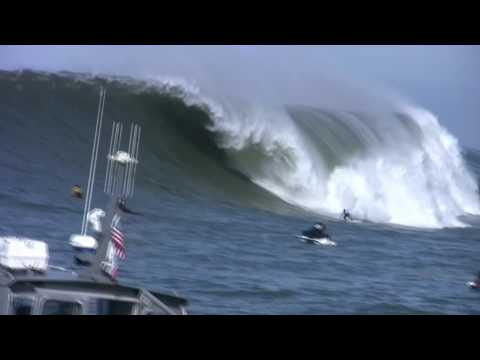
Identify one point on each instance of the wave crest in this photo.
(397, 167)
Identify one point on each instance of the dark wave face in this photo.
(400, 168)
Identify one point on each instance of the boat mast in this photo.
(119, 185)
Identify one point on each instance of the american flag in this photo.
(118, 242)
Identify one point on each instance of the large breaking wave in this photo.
(398, 167)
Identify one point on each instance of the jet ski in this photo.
(317, 235)
(323, 241)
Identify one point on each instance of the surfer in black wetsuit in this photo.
(122, 205)
(346, 215)
(318, 231)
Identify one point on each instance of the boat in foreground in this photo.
(29, 285)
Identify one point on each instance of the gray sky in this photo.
(443, 79)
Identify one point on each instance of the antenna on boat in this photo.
(116, 137)
(122, 166)
(93, 161)
(133, 149)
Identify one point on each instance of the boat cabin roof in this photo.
(70, 283)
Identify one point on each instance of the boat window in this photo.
(113, 307)
(21, 306)
(60, 307)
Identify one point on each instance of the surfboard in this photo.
(324, 241)
(353, 221)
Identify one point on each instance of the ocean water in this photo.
(224, 186)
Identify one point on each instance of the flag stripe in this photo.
(118, 242)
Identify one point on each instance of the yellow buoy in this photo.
(77, 192)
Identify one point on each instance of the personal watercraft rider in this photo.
(318, 231)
